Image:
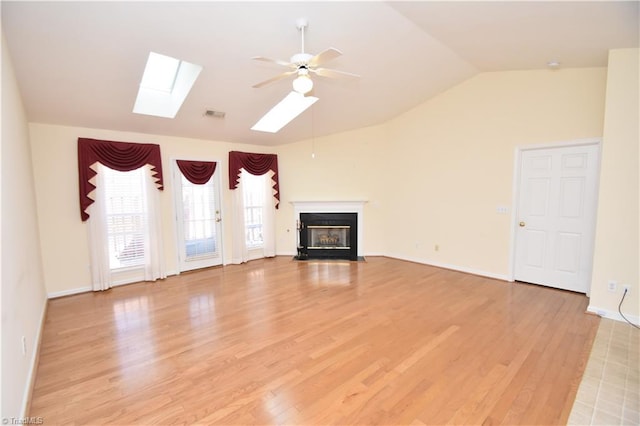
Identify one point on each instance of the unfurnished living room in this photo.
(301, 213)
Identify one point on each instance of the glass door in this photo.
(198, 222)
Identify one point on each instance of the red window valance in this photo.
(121, 156)
(197, 172)
(256, 164)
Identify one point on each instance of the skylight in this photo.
(286, 110)
(165, 84)
(160, 72)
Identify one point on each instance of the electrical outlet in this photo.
(627, 288)
(24, 346)
(436, 247)
(612, 286)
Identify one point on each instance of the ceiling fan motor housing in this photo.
(301, 59)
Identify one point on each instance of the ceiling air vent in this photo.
(216, 114)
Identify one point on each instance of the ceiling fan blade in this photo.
(274, 61)
(325, 72)
(276, 78)
(324, 56)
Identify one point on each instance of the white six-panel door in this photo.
(556, 216)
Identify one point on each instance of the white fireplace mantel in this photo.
(334, 207)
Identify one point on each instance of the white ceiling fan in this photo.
(296, 102)
(302, 64)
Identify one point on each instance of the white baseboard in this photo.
(614, 315)
(458, 268)
(502, 277)
(33, 364)
(79, 290)
(69, 292)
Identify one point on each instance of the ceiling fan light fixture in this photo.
(303, 84)
(553, 65)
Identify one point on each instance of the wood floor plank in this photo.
(276, 341)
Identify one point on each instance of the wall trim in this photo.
(466, 270)
(614, 315)
(79, 290)
(70, 292)
(33, 367)
(457, 268)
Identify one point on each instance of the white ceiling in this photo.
(80, 63)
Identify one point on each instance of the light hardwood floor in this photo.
(276, 341)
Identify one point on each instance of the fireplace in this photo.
(328, 236)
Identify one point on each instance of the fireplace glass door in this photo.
(329, 237)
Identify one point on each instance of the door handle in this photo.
(522, 224)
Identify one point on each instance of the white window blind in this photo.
(253, 192)
(125, 216)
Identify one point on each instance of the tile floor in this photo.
(609, 393)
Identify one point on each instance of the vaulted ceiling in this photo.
(80, 63)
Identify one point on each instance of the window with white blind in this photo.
(253, 192)
(124, 195)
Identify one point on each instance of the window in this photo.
(124, 196)
(160, 73)
(123, 215)
(164, 86)
(253, 192)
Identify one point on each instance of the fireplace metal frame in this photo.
(331, 220)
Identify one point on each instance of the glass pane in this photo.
(253, 192)
(199, 219)
(329, 237)
(160, 72)
(124, 198)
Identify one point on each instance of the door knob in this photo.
(521, 224)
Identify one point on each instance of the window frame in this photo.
(140, 215)
(253, 196)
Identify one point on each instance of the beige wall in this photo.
(435, 175)
(64, 236)
(617, 231)
(349, 166)
(23, 291)
(432, 176)
(454, 159)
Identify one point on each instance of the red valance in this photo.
(121, 156)
(197, 172)
(256, 164)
